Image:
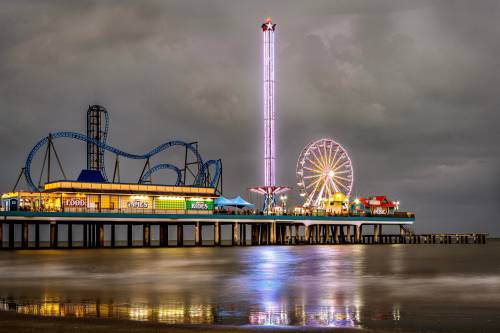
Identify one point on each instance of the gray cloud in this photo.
(409, 87)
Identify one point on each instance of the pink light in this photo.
(269, 113)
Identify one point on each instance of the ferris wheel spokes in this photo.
(323, 169)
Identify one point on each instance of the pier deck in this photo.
(98, 230)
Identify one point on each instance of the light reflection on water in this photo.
(192, 314)
(327, 286)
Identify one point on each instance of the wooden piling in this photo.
(163, 235)
(99, 235)
(357, 233)
(129, 235)
(146, 230)
(197, 234)
(113, 235)
(70, 235)
(272, 232)
(216, 234)
(263, 234)
(24, 240)
(235, 230)
(53, 234)
(85, 235)
(180, 234)
(307, 234)
(244, 238)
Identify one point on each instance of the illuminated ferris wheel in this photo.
(323, 168)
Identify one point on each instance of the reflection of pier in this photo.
(98, 230)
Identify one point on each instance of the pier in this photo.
(37, 230)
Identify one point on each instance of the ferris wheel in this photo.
(323, 168)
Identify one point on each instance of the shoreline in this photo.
(16, 322)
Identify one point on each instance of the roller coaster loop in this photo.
(199, 179)
(157, 167)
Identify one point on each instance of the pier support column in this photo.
(358, 232)
(11, 235)
(85, 235)
(348, 234)
(24, 242)
(255, 234)
(268, 233)
(1, 234)
(129, 235)
(180, 235)
(318, 233)
(327, 234)
(70, 235)
(236, 230)
(92, 235)
(146, 230)
(113, 235)
(163, 234)
(375, 233)
(336, 234)
(53, 235)
(296, 234)
(307, 234)
(197, 234)
(262, 233)
(216, 234)
(273, 233)
(100, 235)
(244, 234)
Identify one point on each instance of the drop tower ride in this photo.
(270, 189)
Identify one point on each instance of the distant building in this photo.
(336, 204)
(376, 205)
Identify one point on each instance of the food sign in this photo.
(75, 202)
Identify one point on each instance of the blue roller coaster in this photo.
(203, 173)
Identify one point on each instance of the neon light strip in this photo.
(269, 114)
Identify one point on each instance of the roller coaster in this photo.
(203, 173)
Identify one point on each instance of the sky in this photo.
(409, 88)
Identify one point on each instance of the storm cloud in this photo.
(410, 88)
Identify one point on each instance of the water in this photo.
(408, 287)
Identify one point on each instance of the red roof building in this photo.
(378, 205)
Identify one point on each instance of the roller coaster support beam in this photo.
(187, 164)
(49, 150)
(18, 179)
(58, 160)
(116, 171)
(148, 166)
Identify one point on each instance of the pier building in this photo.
(73, 196)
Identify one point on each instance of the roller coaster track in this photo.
(157, 167)
(218, 169)
(199, 180)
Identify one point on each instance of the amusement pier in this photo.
(97, 210)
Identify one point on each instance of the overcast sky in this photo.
(410, 88)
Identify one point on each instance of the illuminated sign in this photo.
(137, 204)
(75, 202)
(200, 205)
(379, 211)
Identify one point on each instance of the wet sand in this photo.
(403, 288)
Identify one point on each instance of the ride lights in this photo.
(139, 197)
